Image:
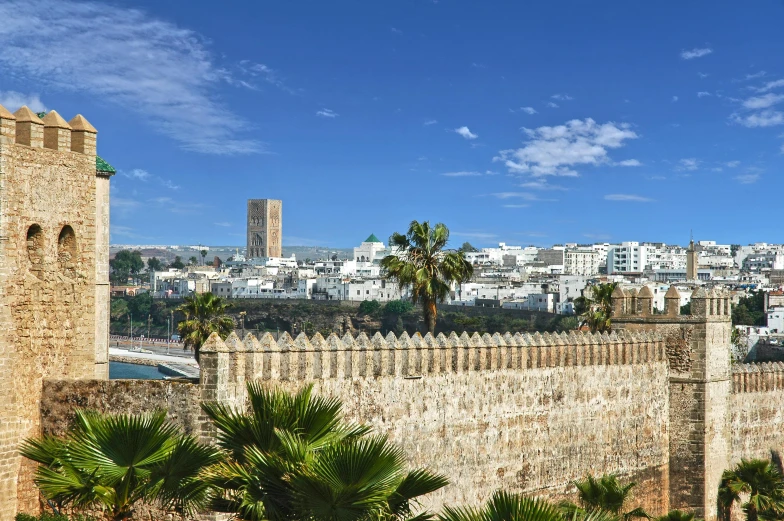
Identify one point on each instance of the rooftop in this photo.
(372, 238)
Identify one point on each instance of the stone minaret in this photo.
(265, 228)
(691, 262)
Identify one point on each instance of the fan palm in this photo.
(420, 261)
(605, 494)
(597, 308)
(677, 515)
(761, 481)
(204, 314)
(112, 462)
(293, 458)
(505, 506)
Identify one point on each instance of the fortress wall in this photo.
(757, 419)
(525, 413)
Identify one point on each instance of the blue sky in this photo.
(523, 122)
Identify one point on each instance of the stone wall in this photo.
(48, 275)
(757, 426)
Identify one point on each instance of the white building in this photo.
(776, 319)
(582, 262)
(371, 250)
(628, 257)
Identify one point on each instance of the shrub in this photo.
(368, 307)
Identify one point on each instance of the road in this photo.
(163, 358)
(174, 350)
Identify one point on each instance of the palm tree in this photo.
(505, 506)
(204, 314)
(761, 481)
(597, 308)
(292, 458)
(605, 494)
(110, 463)
(678, 515)
(419, 260)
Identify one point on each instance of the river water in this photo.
(123, 371)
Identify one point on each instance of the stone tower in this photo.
(265, 228)
(54, 286)
(698, 354)
(691, 261)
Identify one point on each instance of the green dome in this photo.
(372, 238)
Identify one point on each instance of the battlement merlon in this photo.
(234, 361)
(24, 127)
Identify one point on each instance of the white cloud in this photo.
(540, 184)
(327, 113)
(771, 85)
(782, 148)
(756, 75)
(702, 94)
(475, 235)
(395, 30)
(732, 164)
(127, 58)
(515, 195)
(223, 224)
(463, 131)
(695, 53)
(137, 173)
(689, 164)
(765, 118)
(702, 75)
(528, 110)
(764, 101)
(747, 179)
(557, 150)
(627, 197)
(562, 97)
(629, 162)
(268, 74)
(516, 205)
(674, 99)
(552, 105)
(429, 122)
(12, 101)
(462, 174)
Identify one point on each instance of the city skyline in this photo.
(532, 125)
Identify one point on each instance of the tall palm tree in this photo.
(597, 307)
(110, 463)
(204, 314)
(761, 481)
(292, 458)
(421, 261)
(605, 494)
(505, 506)
(677, 515)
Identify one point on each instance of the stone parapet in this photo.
(756, 378)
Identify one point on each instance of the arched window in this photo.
(35, 249)
(67, 253)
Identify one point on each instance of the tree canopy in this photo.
(467, 248)
(154, 264)
(126, 263)
(177, 263)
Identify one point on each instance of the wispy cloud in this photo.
(629, 162)
(223, 224)
(463, 131)
(702, 94)
(475, 235)
(732, 164)
(13, 100)
(327, 113)
(516, 205)
(764, 101)
(558, 150)
(703, 75)
(266, 73)
(429, 122)
(562, 97)
(674, 99)
(627, 198)
(128, 58)
(552, 105)
(765, 118)
(528, 110)
(136, 173)
(747, 179)
(462, 174)
(688, 164)
(695, 53)
(395, 30)
(756, 75)
(771, 85)
(541, 184)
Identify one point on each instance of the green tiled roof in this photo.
(102, 167)
(372, 238)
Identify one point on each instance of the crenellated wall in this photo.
(757, 405)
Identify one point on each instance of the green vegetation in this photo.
(467, 248)
(154, 264)
(750, 311)
(605, 494)
(757, 486)
(421, 261)
(46, 516)
(369, 307)
(595, 307)
(125, 264)
(204, 314)
(111, 463)
(177, 263)
(294, 458)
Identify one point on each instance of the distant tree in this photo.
(203, 255)
(397, 307)
(126, 263)
(154, 264)
(597, 306)
(734, 249)
(334, 257)
(204, 314)
(750, 310)
(467, 248)
(177, 263)
(422, 262)
(686, 309)
(140, 305)
(368, 307)
(193, 261)
(118, 308)
(568, 323)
